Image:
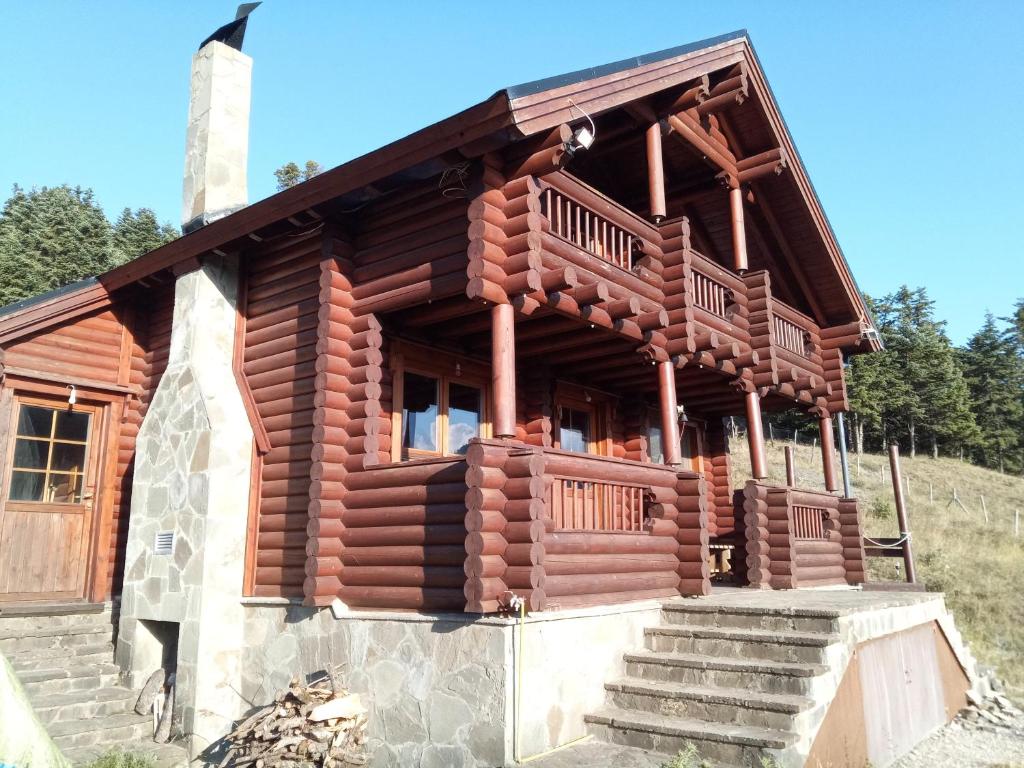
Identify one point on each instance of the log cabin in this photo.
(490, 361)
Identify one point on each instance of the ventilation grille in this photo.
(164, 544)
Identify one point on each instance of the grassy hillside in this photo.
(978, 564)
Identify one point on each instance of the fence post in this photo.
(1016, 523)
(844, 459)
(790, 467)
(984, 509)
(901, 512)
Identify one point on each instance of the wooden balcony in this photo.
(568, 529)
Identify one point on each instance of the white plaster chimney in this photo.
(217, 142)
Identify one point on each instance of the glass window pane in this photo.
(687, 444)
(574, 434)
(68, 457)
(34, 421)
(27, 486)
(63, 489)
(654, 444)
(30, 454)
(72, 425)
(419, 413)
(464, 410)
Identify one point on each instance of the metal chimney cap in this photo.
(232, 33)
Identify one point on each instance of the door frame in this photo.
(108, 407)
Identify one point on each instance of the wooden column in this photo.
(739, 232)
(669, 412)
(790, 467)
(828, 452)
(655, 172)
(755, 437)
(503, 369)
(901, 512)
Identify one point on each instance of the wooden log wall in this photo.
(717, 469)
(282, 302)
(800, 377)
(635, 415)
(778, 559)
(692, 535)
(598, 567)
(535, 390)
(851, 530)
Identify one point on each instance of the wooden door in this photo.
(47, 500)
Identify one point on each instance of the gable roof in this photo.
(509, 115)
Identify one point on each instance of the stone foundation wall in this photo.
(441, 689)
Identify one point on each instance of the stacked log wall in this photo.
(692, 535)
(411, 248)
(819, 562)
(851, 531)
(403, 543)
(717, 471)
(282, 290)
(485, 527)
(600, 567)
(526, 524)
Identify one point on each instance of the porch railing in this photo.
(587, 505)
(809, 523)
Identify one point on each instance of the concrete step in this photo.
(55, 638)
(799, 647)
(60, 707)
(30, 663)
(737, 745)
(16, 626)
(78, 651)
(755, 675)
(162, 755)
(746, 617)
(719, 705)
(111, 730)
(92, 679)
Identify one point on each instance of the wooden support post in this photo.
(503, 369)
(827, 452)
(790, 467)
(755, 437)
(739, 232)
(669, 412)
(901, 512)
(655, 172)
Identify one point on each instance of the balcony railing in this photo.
(710, 295)
(585, 505)
(790, 336)
(587, 230)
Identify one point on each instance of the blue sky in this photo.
(908, 115)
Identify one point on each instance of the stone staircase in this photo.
(65, 664)
(736, 682)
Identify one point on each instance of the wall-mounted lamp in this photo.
(73, 396)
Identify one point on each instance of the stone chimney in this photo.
(217, 142)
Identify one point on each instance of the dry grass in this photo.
(978, 564)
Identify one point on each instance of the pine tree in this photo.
(290, 174)
(139, 232)
(50, 237)
(994, 373)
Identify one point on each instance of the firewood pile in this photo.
(320, 724)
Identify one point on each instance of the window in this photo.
(655, 451)
(574, 433)
(692, 446)
(50, 449)
(439, 404)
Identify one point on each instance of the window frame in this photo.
(88, 472)
(446, 369)
(598, 407)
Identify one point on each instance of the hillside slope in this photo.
(978, 564)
